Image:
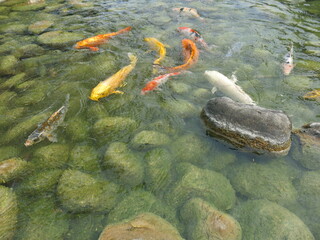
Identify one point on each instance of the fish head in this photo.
(100, 92)
(34, 138)
(287, 68)
(182, 29)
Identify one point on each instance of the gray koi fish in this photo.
(47, 128)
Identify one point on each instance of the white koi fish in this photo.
(47, 128)
(192, 12)
(288, 65)
(228, 87)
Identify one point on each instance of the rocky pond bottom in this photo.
(135, 166)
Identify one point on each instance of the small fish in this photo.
(95, 41)
(47, 128)
(156, 82)
(235, 48)
(194, 35)
(313, 95)
(288, 65)
(108, 86)
(158, 46)
(228, 86)
(188, 11)
(191, 55)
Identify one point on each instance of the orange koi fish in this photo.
(194, 35)
(191, 55)
(108, 86)
(95, 41)
(47, 128)
(156, 82)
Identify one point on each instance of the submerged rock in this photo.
(204, 221)
(308, 151)
(29, 7)
(40, 26)
(144, 226)
(12, 168)
(263, 181)
(181, 108)
(149, 139)
(84, 158)
(14, 81)
(258, 129)
(59, 38)
(78, 129)
(81, 192)
(9, 212)
(8, 152)
(8, 65)
(126, 165)
(29, 50)
(208, 185)
(262, 219)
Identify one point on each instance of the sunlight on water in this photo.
(131, 153)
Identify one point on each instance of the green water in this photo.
(35, 78)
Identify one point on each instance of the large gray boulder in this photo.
(248, 126)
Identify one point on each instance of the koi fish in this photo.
(191, 55)
(47, 128)
(95, 41)
(156, 82)
(288, 65)
(188, 11)
(160, 48)
(228, 86)
(313, 95)
(194, 35)
(108, 86)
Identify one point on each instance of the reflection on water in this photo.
(147, 150)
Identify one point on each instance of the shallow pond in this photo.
(131, 153)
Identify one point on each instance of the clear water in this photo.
(251, 38)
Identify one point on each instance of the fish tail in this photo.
(127, 29)
(133, 59)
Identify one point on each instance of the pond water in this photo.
(131, 153)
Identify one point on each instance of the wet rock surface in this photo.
(144, 226)
(59, 38)
(248, 126)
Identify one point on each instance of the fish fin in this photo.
(117, 92)
(233, 77)
(213, 90)
(52, 137)
(123, 84)
(94, 49)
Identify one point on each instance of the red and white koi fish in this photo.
(288, 65)
(47, 128)
(193, 35)
(158, 81)
(95, 41)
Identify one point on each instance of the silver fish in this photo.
(228, 87)
(47, 128)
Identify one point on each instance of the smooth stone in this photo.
(149, 139)
(263, 181)
(308, 150)
(9, 213)
(29, 7)
(204, 221)
(40, 26)
(30, 50)
(12, 168)
(262, 219)
(13, 81)
(182, 108)
(59, 38)
(81, 192)
(84, 158)
(8, 65)
(124, 164)
(13, 28)
(144, 226)
(254, 128)
(206, 184)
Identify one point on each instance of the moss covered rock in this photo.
(13, 81)
(42, 182)
(40, 26)
(182, 108)
(12, 168)
(124, 164)
(262, 219)
(84, 158)
(8, 152)
(208, 185)
(263, 181)
(8, 65)
(158, 169)
(29, 7)
(308, 187)
(9, 211)
(59, 38)
(78, 129)
(13, 28)
(205, 222)
(29, 50)
(147, 139)
(189, 148)
(81, 192)
(144, 226)
(138, 202)
(52, 156)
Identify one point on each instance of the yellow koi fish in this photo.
(108, 86)
(160, 48)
